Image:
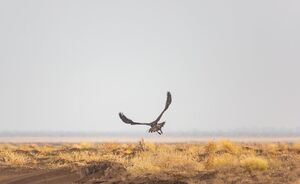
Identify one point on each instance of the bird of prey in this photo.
(155, 126)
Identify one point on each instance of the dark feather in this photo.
(169, 100)
(129, 121)
(168, 103)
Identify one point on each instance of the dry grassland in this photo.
(144, 162)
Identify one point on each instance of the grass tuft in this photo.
(229, 147)
(255, 163)
(225, 160)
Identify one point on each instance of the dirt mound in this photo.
(101, 172)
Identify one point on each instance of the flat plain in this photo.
(206, 162)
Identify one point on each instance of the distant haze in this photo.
(74, 65)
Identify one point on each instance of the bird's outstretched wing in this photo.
(129, 121)
(168, 102)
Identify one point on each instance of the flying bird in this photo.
(155, 126)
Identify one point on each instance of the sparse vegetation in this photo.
(13, 158)
(156, 158)
(254, 163)
(229, 147)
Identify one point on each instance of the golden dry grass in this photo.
(255, 163)
(12, 158)
(146, 157)
(165, 158)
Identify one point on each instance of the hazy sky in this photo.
(73, 65)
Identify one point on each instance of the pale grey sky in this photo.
(73, 65)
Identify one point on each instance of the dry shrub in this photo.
(165, 159)
(209, 163)
(148, 146)
(81, 157)
(248, 149)
(125, 150)
(13, 158)
(45, 149)
(109, 147)
(283, 146)
(271, 148)
(229, 147)
(225, 160)
(255, 163)
(210, 147)
(192, 149)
